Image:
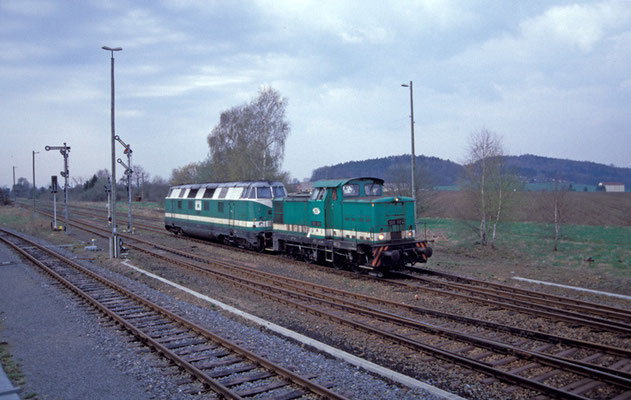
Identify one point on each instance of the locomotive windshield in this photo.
(350, 190)
(264, 192)
(317, 194)
(279, 191)
(373, 189)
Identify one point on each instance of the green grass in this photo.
(11, 368)
(608, 246)
(533, 187)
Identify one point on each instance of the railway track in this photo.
(573, 311)
(219, 365)
(601, 373)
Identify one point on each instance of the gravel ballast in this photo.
(75, 343)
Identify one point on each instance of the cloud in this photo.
(362, 22)
(139, 27)
(579, 26)
(29, 8)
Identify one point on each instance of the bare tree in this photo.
(141, 177)
(487, 181)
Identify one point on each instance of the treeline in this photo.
(94, 188)
(529, 168)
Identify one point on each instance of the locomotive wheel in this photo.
(339, 262)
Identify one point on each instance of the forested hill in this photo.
(393, 168)
(440, 172)
(536, 168)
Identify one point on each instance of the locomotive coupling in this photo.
(391, 257)
(427, 251)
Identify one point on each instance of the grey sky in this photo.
(552, 77)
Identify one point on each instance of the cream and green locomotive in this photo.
(351, 224)
(348, 223)
(238, 213)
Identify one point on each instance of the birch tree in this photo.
(249, 141)
(488, 182)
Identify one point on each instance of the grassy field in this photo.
(608, 246)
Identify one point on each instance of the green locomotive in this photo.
(349, 223)
(346, 222)
(238, 213)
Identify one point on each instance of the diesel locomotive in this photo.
(348, 223)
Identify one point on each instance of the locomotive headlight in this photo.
(410, 233)
(381, 236)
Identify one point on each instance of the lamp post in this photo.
(114, 247)
(412, 128)
(34, 187)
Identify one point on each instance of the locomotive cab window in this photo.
(223, 192)
(192, 193)
(317, 194)
(350, 190)
(279, 191)
(182, 191)
(252, 194)
(264, 192)
(373, 189)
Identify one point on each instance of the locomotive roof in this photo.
(344, 181)
(227, 184)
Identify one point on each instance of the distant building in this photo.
(305, 187)
(611, 186)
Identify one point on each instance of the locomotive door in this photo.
(231, 216)
(328, 214)
(332, 214)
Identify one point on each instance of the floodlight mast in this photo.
(114, 248)
(413, 166)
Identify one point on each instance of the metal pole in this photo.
(413, 161)
(113, 202)
(129, 221)
(14, 196)
(55, 210)
(109, 196)
(114, 248)
(34, 187)
(413, 155)
(66, 176)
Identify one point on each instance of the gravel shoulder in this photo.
(63, 351)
